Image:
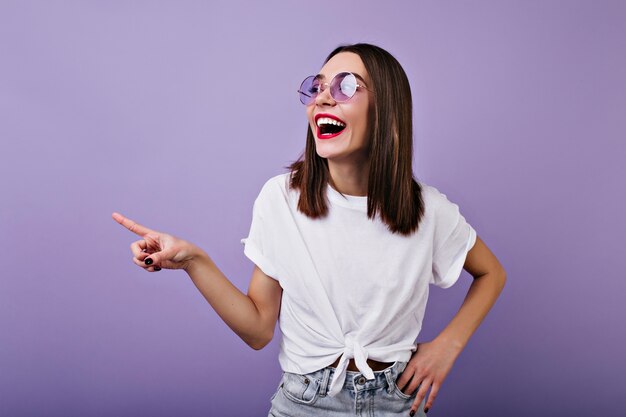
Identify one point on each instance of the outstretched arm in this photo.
(252, 317)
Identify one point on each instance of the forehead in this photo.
(344, 61)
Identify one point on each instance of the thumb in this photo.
(158, 258)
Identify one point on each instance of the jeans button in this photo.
(361, 380)
(306, 381)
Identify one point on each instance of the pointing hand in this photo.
(156, 250)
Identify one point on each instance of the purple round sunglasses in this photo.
(343, 86)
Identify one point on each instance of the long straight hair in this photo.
(392, 190)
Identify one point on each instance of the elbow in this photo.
(258, 345)
(260, 341)
(502, 278)
(497, 278)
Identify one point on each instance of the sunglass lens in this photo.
(343, 86)
(308, 89)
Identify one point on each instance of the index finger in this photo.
(131, 225)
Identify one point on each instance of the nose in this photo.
(324, 98)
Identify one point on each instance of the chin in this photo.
(330, 150)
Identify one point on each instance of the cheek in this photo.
(309, 114)
(359, 124)
(358, 116)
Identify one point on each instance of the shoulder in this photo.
(273, 188)
(277, 183)
(438, 205)
(431, 195)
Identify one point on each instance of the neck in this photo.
(350, 179)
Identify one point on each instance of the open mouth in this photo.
(328, 126)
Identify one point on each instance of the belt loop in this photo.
(325, 378)
(401, 366)
(390, 381)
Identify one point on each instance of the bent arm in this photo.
(253, 316)
(489, 279)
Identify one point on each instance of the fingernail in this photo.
(426, 410)
(156, 268)
(148, 261)
(412, 413)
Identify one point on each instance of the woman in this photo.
(345, 246)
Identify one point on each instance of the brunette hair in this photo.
(392, 190)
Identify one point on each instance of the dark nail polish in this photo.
(148, 261)
(156, 268)
(412, 413)
(426, 410)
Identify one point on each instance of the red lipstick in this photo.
(321, 135)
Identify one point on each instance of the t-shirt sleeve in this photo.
(453, 238)
(255, 244)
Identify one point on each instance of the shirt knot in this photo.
(351, 350)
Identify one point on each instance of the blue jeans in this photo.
(306, 395)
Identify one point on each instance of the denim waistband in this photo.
(354, 379)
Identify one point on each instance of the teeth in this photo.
(329, 121)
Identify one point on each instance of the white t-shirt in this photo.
(351, 288)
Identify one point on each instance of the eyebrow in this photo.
(322, 76)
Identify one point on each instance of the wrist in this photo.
(452, 343)
(197, 257)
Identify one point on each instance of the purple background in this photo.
(175, 114)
